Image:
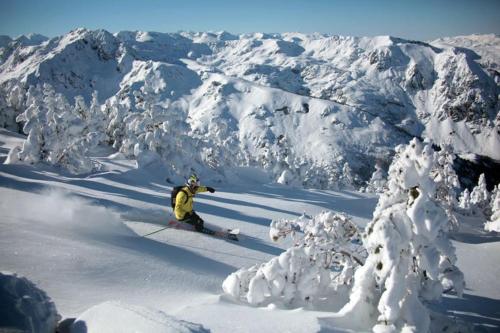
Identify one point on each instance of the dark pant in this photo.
(195, 220)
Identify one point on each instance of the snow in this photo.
(461, 136)
(484, 45)
(85, 231)
(353, 99)
(113, 121)
(120, 317)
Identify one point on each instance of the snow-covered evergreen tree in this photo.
(323, 259)
(480, 198)
(12, 103)
(377, 181)
(464, 201)
(80, 108)
(97, 121)
(33, 119)
(155, 129)
(7, 115)
(115, 130)
(347, 179)
(410, 258)
(55, 131)
(494, 223)
(72, 131)
(447, 184)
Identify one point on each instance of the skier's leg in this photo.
(194, 220)
(198, 222)
(199, 225)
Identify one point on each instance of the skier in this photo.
(184, 202)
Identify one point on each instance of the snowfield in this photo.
(79, 239)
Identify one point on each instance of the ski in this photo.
(231, 234)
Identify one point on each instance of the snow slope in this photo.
(264, 100)
(79, 239)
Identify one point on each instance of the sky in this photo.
(412, 19)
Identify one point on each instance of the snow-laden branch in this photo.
(325, 253)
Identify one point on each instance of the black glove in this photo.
(210, 189)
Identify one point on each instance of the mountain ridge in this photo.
(266, 99)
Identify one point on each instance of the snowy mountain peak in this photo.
(31, 39)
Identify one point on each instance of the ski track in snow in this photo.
(78, 239)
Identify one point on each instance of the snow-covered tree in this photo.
(155, 129)
(480, 198)
(347, 179)
(34, 119)
(115, 130)
(322, 260)
(321, 175)
(12, 103)
(447, 184)
(7, 114)
(494, 223)
(97, 121)
(410, 258)
(80, 108)
(55, 132)
(464, 200)
(377, 181)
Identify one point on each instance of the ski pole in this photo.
(154, 232)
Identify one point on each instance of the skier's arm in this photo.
(205, 189)
(201, 189)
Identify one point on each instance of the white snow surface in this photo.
(79, 239)
(116, 317)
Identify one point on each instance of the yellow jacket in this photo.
(184, 205)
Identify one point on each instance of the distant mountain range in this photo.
(290, 103)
